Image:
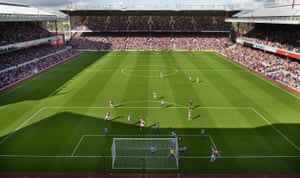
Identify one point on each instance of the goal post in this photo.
(135, 153)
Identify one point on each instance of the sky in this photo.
(56, 5)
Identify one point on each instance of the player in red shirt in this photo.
(214, 153)
(142, 124)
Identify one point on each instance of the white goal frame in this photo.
(134, 153)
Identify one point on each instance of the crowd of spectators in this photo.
(278, 68)
(14, 32)
(160, 23)
(148, 41)
(28, 65)
(211, 23)
(149, 23)
(89, 22)
(183, 23)
(281, 36)
(117, 22)
(23, 63)
(13, 59)
(139, 23)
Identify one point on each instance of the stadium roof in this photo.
(10, 12)
(145, 9)
(276, 14)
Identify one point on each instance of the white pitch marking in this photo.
(76, 147)
(123, 71)
(277, 130)
(20, 126)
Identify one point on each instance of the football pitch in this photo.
(55, 121)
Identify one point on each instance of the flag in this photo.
(293, 4)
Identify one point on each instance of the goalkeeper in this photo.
(172, 152)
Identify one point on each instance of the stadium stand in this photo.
(149, 23)
(25, 70)
(16, 58)
(275, 36)
(271, 45)
(275, 67)
(154, 32)
(148, 41)
(14, 32)
(140, 23)
(26, 47)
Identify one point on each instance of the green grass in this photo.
(252, 121)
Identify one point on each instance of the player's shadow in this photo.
(196, 106)
(194, 81)
(150, 126)
(196, 117)
(169, 105)
(160, 98)
(136, 123)
(118, 105)
(116, 118)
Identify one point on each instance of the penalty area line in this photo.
(76, 147)
(276, 129)
(21, 125)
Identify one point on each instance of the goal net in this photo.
(135, 153)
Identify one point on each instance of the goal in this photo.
(134, 153)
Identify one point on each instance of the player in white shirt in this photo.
(107, 116)
(154, 95)
(129, 118)
(162, 104)
(190, 114)
(161, 74)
